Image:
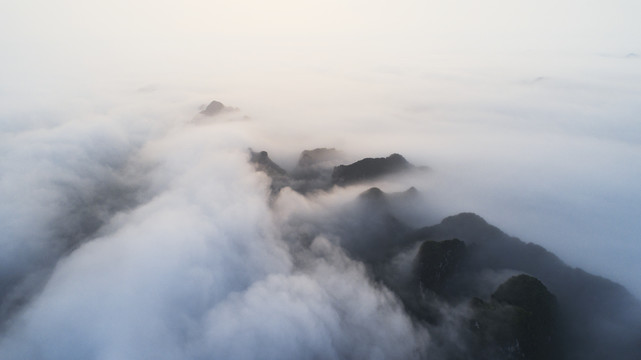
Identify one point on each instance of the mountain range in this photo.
(482, 293)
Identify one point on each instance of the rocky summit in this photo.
(369, 169)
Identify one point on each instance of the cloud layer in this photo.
(187, 261)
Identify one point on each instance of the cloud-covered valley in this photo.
(136, 222)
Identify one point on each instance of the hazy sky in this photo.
(527, 110)
(88, 41)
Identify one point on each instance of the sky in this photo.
(527, 113)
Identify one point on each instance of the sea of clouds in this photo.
(130, 228)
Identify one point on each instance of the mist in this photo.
(132, 227)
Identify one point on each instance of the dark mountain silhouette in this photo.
(518, 322)
(588, 304)
(438, 260)
(369, 169)
(316, 170)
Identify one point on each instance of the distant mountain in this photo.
(216, 107)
